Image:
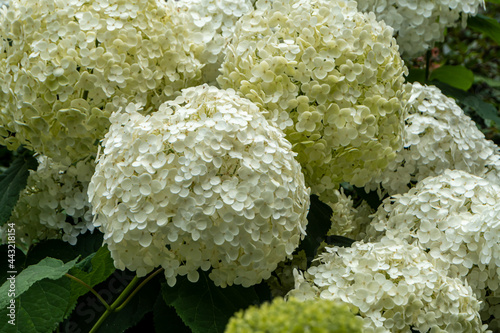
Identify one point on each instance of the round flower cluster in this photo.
(66, 65)
(54, 203)
(454, 216)
(281, 316)
(418, 24)
(330, 77)
(203, 182)
(395, 287)
(348, 221)
(437, 136)
(210, 24)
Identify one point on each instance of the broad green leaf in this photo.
(92, 270)
(483, 109)
(166, 319)
(494, 1)
(19, 260)
(456, 76)
(339, 241)
(417, 75)
(39, 309)
(48, 268)
(204, 307)
(318, 225)
(53, 248)
(492, 83)
(486, 25)
(12, 182)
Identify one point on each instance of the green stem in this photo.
(124, 298)
(89, 288)
(138, 288)
(427, 64)
(115, 304)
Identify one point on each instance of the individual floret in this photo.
(65, 66)
(314, 316)
(330, 77)
(395, 287)
(54, 203)
(437, 136)
(204, 182)
(419, 24)
(210, 25)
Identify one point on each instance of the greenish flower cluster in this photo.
(294, 316)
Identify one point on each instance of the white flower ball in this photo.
(54, 203)
(210, 25)
(204, 182)
(437, 136)
(330, 77)
(419, 24)
(395, 287)
(455, 217)
(65, 66)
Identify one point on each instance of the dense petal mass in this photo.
(66, 65)
(455, 217)
(210, 25)
(54, 203)
(395, 286)
(418, 24)
(330, 77)
(438, 135)
(204, 182)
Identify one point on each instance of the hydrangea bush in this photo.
(454, 217)
(204, 182)
(395, 286)
(66, 66)
(330, 77)
(419, 24)
(190, 163)
(437, 136)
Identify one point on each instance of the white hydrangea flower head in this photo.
(419, 24)
(54, 203)
(454, 216)
(204, 182)
(211, 24)
(65, 66)
(330, 77)
(348, 221)
(395, 287)
(438, 135)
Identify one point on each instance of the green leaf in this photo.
(92, 270)
(456, 76)
(39, 309)
(48, 268)
(12, 182)
(19, 257)
(317, 227)
(417, 75)
(166, 319)
(483, 109)
(486, 25)
(492, 83)
(339, 241)
(204, 307)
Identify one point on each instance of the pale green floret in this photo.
(294, 316)
(330, 77)
(65, 66)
